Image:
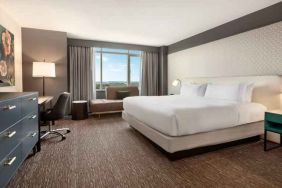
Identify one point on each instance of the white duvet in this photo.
(178, 115)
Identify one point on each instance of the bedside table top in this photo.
(278, 111)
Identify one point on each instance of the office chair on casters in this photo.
(56, 113)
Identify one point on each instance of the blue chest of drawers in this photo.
(19, 131)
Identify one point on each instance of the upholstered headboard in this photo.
(267, 90)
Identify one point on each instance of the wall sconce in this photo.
(176, 82)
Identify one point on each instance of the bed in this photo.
(183, 125)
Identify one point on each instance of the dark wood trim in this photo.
(273, 143)
(263, 17)
(103, 44)
(200, 150)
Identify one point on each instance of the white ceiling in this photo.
(147, 22)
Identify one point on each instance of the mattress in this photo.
(178, 115)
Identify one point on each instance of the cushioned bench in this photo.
(112, 104)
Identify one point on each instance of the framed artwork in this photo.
(7, 58)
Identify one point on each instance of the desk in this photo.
(42, 101)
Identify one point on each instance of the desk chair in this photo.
(56, 113)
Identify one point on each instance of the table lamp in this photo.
(43, 69)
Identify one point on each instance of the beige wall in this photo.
(7, 22)
(37, 45)
(256, 52)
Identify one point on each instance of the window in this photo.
(117, 67)
(114, 70)
(135, 70)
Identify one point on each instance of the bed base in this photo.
(184, 146)
(205, 149)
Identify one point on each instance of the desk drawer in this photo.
(10, 113)
(29, 104)
(10, 138)
(9, 165)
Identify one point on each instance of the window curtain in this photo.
(150, 74)
(82, 69)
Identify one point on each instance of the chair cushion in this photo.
(111, 91)
(104, 105)
(122, 94)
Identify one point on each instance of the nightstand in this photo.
(272, 123)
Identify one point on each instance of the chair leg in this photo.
(45, 134)
(265, 140)
(49, 126)
(59, 134)
(63, 129)
(54, 131)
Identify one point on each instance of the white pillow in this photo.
(246, 92)
(193, 90)
(223, 91)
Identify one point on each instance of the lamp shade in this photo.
(43, 69)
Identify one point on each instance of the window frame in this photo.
(101, 52)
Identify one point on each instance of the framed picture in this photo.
(7, 58)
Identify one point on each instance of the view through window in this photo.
(117, 67)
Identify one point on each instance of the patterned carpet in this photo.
(106, 152)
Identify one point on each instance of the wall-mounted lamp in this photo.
(176, 82)
(43, 69)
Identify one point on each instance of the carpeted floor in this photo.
(106, 152)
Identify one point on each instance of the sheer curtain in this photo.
(149, 73)
(82, 73)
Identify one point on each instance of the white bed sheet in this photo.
(178, 115)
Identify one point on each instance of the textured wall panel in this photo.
(256, 52)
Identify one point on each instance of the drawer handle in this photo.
(9, 107)
(32, 99)
(33, 117)
(11, 134)
(10, 161)
(33, 134)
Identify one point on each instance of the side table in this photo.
(272, 123)
(79, 110)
